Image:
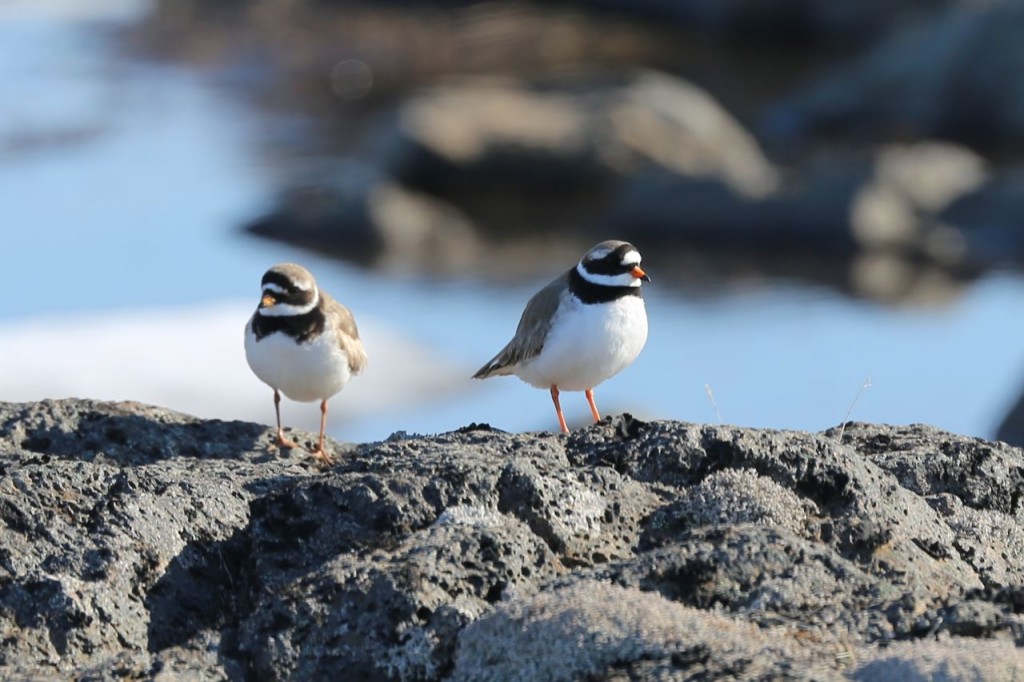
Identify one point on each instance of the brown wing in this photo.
(348, 337)
(532, 331)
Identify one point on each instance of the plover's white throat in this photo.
(303, 343)
(581, 329)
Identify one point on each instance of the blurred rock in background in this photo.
(817, 139)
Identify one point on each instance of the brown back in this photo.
(348, 337)
(532, 331)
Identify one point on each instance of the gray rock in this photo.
(955, 75)
(491, 133)
(891, 200)
(785, 23)
(734, 496)
(136, 542)
(376, 223)
(468, 167)
(987, 220)
(903, 223)
(953, 660)
(470, 164)
(503, 130)
(678, 126)
(584, 630)
(984, 536)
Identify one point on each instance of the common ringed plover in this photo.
(303, 343)
(582, 328)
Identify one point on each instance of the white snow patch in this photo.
(192, 359)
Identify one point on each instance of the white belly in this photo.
(304, 372)
(588, 344)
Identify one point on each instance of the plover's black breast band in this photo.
(300, 327)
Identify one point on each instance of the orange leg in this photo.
(558, 409)
(593, 407)
(321, 454)
(281, 440)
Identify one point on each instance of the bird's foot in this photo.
(323, 458)
(283, 442)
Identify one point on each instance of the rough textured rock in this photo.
(591, 628)
(941, 661)
(140, 543)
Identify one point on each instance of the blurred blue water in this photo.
(122, 186)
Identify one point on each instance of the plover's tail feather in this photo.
(531, 332)
(498, 366)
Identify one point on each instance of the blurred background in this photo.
(828, 196)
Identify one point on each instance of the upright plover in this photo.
(582, 328)
(303, 343)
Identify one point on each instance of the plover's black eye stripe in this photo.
(589, 292)
(604, 267)
(285, 290)
(280, 280)
(613, 266)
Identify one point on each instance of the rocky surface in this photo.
(138, 543)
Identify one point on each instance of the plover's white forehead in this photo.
(631, 257)
(274, 287)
